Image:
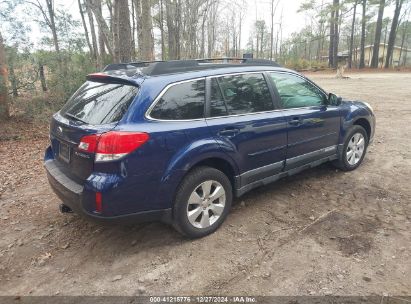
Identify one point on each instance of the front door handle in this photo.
(295, 121)
(229, 132)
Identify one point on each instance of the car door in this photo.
(313, 124)
(243, 119)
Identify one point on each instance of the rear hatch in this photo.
(95, 108)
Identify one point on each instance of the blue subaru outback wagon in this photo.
(176, 141)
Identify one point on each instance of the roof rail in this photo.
(268, 62)
(126, 66)
(174, 66)
(248, 61)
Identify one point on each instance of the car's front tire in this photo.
(202, 202)
(354, 149)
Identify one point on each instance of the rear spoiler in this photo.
(106, 78)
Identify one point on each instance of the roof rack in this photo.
(128, 65)
(248, 61)
(153, 68)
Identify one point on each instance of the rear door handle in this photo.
(229, 132)
(295, 121)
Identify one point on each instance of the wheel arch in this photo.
(220, 164)
(363, 122)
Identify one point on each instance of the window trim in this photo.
(166, 88)
(270, 83)
(271, 89)
(299, 76)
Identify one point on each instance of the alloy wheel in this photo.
(206, 204)
(355, 149)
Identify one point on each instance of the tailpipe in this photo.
(65, 209)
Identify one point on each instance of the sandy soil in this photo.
(320, 232)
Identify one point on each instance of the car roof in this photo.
(177, 70)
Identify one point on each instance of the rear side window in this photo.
(181, 101)
(99, 103)
(239, 94)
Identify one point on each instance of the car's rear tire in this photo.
(354, 149)
(202, 202)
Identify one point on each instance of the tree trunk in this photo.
(261, 43)
(377, 39)
(133, 30)
(403, 39)
(352, 35)
(163, 46)
(173, 27)
(13, 79)
(101, 43)
(50, 10)
(212, 29)
(83, 20)
(102, 25)
(362, 44)
(393, 33)
(93, 33)
(336, 5)
(147, 42)
(42, 78)
(124, 31)
(4, 104)
(137, 10)
(115, 31)
(331, 47)
(272, 30)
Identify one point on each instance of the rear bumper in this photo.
(75, 197)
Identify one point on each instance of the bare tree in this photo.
(101, 40)
(4, 104)
(377, 39)
(363, 26)
(173, 11)
(393, 32)
(212, 27)
(115, 30)
(162, 32)
(85, 28)
(93, 32)
(95, 6)
(332, 33)
(273, 10)
(48, 14)
(144, 29)
(350, 56)
(336, 38)
(124, 46)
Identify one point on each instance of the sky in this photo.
(292, 21)
(260, 9)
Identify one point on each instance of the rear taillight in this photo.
(112, 145)
(88, 143)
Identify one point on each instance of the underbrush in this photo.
(304, 65)
(38, 108)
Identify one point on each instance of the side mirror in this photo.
(334, 100)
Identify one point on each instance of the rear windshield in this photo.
(98, 103)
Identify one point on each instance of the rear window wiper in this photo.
(75, 118)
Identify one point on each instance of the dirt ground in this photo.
(321, 232)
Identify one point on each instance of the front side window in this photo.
(239, 94)
(181, 102)
(296, 92)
